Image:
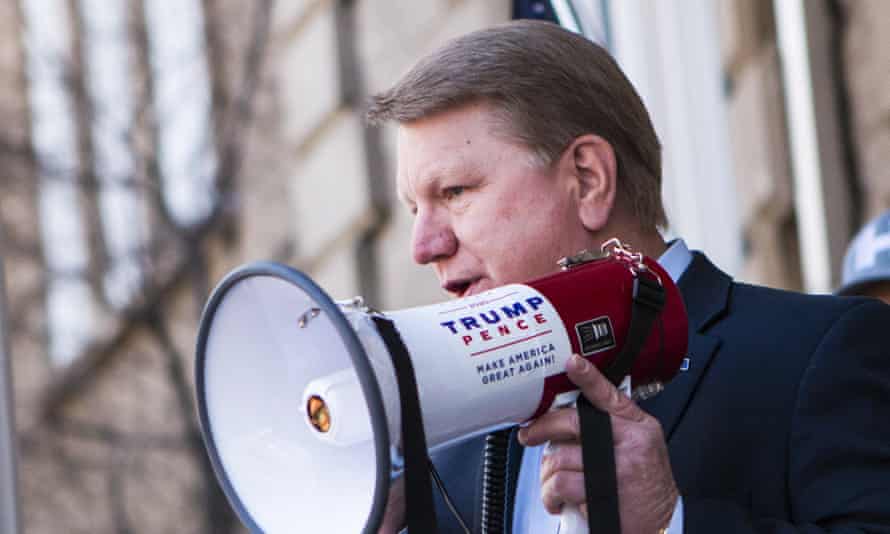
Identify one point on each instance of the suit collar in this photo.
(705, 290)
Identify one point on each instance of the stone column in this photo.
(759, 141)
(866, 62)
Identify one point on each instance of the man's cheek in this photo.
(509, 210)
(461, 207)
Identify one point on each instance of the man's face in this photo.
(486, 214)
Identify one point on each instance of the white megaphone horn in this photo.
(301, 399)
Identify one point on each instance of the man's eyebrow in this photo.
(433, 179)
(462, 172)
(429, 180)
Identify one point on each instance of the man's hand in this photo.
(647, 493)
(394, 516)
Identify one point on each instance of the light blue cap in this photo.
(868, 256)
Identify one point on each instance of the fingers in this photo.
(641, 459)
(562, 477)
(599, 391)
(564, 487)
(558, 425)
(394, 515)
(561, 457)
(563, 424)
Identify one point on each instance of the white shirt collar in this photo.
(676, 259)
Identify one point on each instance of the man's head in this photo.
(867, 262)
(520, 144)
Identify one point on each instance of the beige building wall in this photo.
(761, 162)
(866, 68)
(850, 62)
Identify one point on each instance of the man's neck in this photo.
(652, 245)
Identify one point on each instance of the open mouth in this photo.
(461, 288)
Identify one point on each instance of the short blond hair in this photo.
(548, 86)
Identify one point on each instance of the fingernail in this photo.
(522, 435)
(578, 364)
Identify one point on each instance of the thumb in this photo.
(597, 389)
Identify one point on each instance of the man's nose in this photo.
(433, 239)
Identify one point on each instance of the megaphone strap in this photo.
(420, 510)
(597, 448)
(648, 301)
(600, 480)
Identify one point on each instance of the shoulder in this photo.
(761, 310)
(768, 323)
(789, 306)
(819, 328)
(769, 302)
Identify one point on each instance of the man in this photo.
(867, 261)
(524, 143)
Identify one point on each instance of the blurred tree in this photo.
(125, 125)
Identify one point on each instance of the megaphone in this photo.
(301, 401)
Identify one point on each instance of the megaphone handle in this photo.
(571, 521)
(600, 479)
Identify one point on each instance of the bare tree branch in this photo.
(174, 260)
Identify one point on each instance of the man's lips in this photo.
(461, 287)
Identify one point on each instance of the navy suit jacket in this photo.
(781, 424)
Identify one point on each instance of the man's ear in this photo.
(590, 160)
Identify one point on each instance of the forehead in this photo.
(457, 142)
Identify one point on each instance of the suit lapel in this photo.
(705, 291)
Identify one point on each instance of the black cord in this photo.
(447, 498)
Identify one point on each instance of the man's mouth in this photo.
(461, 287)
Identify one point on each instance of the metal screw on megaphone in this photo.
(310, 314)
(357, 303)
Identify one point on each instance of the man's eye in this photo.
(451, 193)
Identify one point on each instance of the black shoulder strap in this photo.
(420, 510)
(648, 301)
(598, 456)
(597, 447)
